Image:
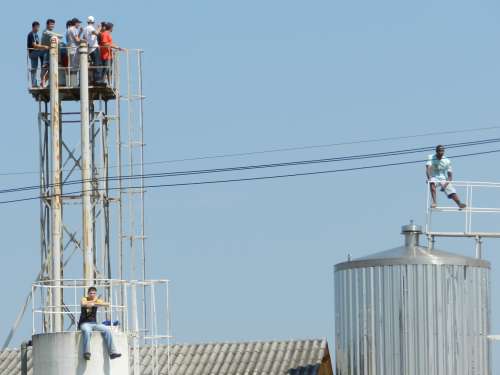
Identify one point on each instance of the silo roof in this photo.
(412, 255)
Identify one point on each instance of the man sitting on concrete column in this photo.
(88, 323)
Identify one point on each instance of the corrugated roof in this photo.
(294, 357)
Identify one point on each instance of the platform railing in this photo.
(72, 291)
(149, 327)
(469, 192)
(100, 73)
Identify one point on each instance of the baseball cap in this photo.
(90, 19)
(76, 20)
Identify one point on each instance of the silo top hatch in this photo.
(412, 253)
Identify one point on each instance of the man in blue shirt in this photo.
(439, 172)
(35, 51)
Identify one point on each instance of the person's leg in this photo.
(432, 186)
(110, 71)
(33, 68)
(73, 67)
(107, 75)
(91, 68)
(97, 66)
(45, 68)
(452, 194)
(108, 337)
(40, 57)
(86, 329)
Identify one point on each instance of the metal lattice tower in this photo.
(91, 152)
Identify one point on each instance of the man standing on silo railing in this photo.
(439, 173)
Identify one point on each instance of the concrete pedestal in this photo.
(62, 354)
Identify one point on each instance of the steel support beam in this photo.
(87, 217)
(56, 268)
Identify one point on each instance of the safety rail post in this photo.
(135, 322)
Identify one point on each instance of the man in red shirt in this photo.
(106, 48)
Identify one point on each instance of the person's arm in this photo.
(100, 302)
(428, 171)
(111, 45)
(428, 168)
(53, 33)
(85, 303)
(108, 42)
(39, 46)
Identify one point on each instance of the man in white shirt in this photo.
(90, 35)
(73, 35)
(439, 172)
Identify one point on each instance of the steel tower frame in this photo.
(91, 169)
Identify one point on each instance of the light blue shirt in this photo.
(440, 168)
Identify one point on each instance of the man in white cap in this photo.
(90, 35)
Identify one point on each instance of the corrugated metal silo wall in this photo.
(412, 320)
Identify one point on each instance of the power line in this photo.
(327, 145)
(286, 149)
(261, 166)
(258, 178)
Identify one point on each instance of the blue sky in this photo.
(253, 261)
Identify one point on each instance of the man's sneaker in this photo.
(115, 355)
(461, 206)
(86, 356)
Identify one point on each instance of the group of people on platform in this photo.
(100, 50)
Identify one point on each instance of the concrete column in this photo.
(87, 219)
(62, 354)
(56, 264)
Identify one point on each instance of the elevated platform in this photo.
(481, 217)
(479, 220)
(73, 93)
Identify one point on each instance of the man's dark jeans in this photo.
(95, 66)
(35, 56)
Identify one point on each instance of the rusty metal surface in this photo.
(87, 217)
(56, 201)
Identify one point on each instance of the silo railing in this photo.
(45, 312)
(138, 308)
(482, 198)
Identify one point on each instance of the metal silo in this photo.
(411, 311)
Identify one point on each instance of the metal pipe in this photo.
(479, 247)
(143, 234)
(24, 358)
(135, 322)
(56, 184)
(87, 222)
(118, 143)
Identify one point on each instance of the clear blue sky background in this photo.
(253, 261)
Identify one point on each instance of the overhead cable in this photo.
(257, 178)
(260, 166)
